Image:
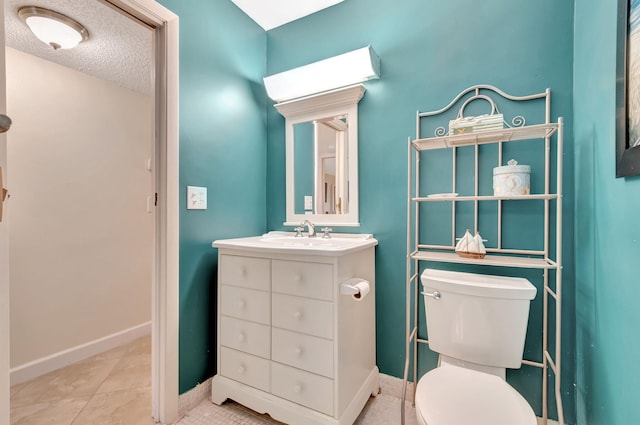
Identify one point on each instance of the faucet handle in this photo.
(298, 232)
(326, 231)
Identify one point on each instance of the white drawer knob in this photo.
(241, 337)
(297, 315)
(242, 304)
(243, 271)
(297, 279)
(298, 351)
(297, 389)
(241, 370)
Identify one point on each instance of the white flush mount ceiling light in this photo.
(53, 28)
(328, 74)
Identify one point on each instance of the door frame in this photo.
(165, 306)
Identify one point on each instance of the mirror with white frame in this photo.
(322, 157)
(321, 169)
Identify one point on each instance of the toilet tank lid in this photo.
(480, 285)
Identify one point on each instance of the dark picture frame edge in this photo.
(627, 159)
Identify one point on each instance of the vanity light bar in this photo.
(328, 74)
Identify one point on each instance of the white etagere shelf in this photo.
(486, 198)
(541, 259)
(539, 131)
(488, 260)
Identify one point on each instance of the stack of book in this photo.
(476, 124)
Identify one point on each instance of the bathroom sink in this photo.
(287, 242)
(305, 241)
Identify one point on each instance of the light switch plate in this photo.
(308, 202)
(196, 198)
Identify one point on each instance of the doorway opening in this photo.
(164, 167)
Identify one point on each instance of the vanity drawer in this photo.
(251, 370)
(249, 337)
(303, 351)
(313, 391)
(247, 304)
(310, 280)
(247, 272)
(312, 317)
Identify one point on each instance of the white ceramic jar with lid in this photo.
(512, 179)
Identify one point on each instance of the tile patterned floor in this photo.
(380, 410)
(114, 388)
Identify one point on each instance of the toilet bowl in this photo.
(477, 324)
(452, 395)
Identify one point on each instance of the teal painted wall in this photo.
(429, 51)
(607, 233)
(222, 147)
(303, 154)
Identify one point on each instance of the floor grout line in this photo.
(81, 410)
(97, 388)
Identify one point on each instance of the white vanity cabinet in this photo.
(289, 343)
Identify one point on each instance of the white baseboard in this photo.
(194, 397)
(549, 422)
(64, 358)
(392, 386)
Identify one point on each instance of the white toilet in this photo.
(477, 324)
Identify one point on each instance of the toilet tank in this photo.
(477, 318)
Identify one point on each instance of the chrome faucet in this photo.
(310, 227)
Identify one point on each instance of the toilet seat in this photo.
(451, 395)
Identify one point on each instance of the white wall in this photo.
(80, 237)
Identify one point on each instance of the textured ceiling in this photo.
(118, 49)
